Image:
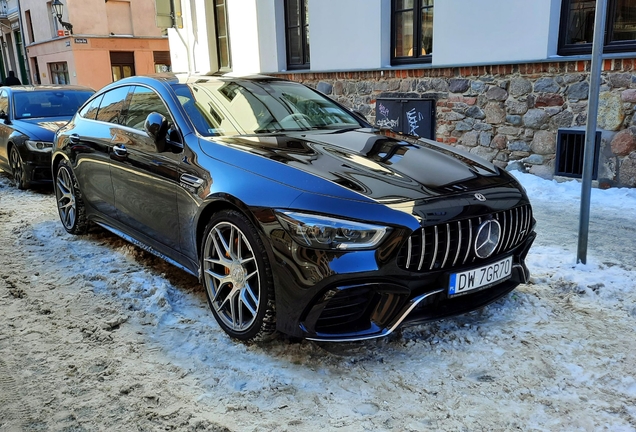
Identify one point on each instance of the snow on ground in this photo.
(99, 335)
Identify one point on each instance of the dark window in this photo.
(222, 35)
(112, 104)
(29, 24)
(89, 110)
(577, 26)
(122, 64)
(144, 101)
(411, 31)
(297, 34)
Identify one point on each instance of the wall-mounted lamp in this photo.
(58, 8)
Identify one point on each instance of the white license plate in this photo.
(479, 278)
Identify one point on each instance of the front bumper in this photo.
(37, 166)
(370, 304)
(38, 174)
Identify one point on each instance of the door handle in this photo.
(191, 180)
(120, 150)
(74, 138)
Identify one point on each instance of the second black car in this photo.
(29, 117)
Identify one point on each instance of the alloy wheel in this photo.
(232, 276)
(65, 194)
(17, 169)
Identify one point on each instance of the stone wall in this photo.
(508, 114)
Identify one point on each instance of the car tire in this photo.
(70, 204)
(17, 169)
(238, 278)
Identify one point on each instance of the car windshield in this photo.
(49, 103)
(259, 107)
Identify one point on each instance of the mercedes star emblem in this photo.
(487, 238)
(480, 197)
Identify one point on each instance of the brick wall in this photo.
(508, 114)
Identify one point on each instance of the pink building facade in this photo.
(107, 41)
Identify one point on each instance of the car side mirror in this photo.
(156, 126)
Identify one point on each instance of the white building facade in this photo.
(356, 34)
(505, 79)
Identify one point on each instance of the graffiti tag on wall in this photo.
(413, 117)
(383, 120)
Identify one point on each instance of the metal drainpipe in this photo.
(24, 51)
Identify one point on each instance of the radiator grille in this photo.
(450, 244)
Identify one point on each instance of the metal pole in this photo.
(590, 130)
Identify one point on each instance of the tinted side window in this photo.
(89, 111)
(143, 102)
(112, 105)
(4, 102)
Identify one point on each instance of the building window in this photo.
(29, 24)
(577, 26)
(59, 73)
(222, 36)
(297, 34)
(122, 64)
(162, 61)
(411, 31)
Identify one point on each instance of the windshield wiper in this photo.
(335, 128)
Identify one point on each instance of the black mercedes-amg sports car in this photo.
(294, 212)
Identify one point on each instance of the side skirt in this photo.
(147, 248)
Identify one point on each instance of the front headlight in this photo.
(39, 146)
(323, 232)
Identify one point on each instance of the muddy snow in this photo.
(96, 334)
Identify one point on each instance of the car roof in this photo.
(46, 87)
(170, 78)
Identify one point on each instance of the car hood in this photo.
(380, 165)
(41, 128)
